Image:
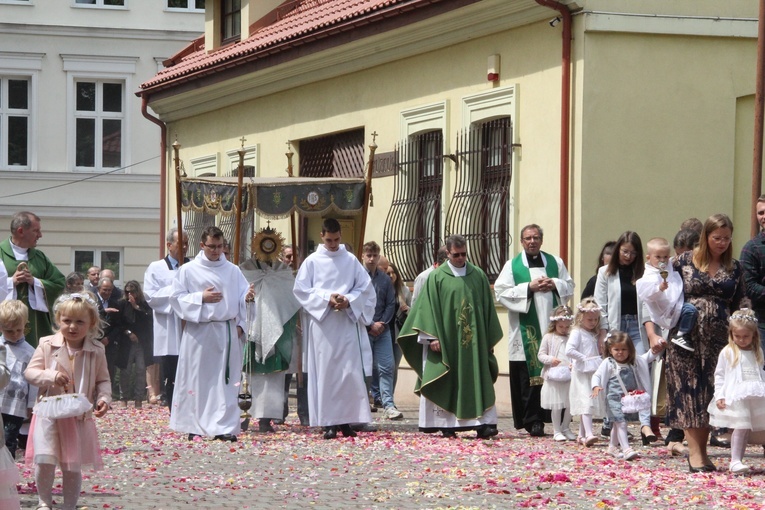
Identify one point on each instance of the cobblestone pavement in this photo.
(150, 467)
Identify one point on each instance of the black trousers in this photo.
(524, 398)
(13, 439)
(168, 367)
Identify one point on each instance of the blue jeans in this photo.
(687, 320)
(629, 324)
(382, 360)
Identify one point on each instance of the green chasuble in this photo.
(52, 280)
(460, 313)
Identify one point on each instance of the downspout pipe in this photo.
(565, 122)
(759, 121)
(162, 171)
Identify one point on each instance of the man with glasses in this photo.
(449, 340)
(209, 294)
(530, 286)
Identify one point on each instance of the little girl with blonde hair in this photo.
(70, 361)
(739, 400)
(582, 348)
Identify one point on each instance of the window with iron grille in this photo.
(337, 155)
(231, 20)
(479, 209)
(413, 227)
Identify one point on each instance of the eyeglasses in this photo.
(529, 239)
(214, 246)
(628, 253)
(458, 254)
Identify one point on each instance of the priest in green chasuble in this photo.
(449, 339)
(32, 277)
(530, 286)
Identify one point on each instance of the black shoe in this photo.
(605, 432)
(192, 436)
(347, 430)
(486, 431)
(378, 403)
(231, 438)
(693, 469)
(330, 432)
(278, 421)
(720, 443)
(537, 429)
(448, 433)
(264, 425)
(647, 438)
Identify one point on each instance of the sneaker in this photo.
(391, 413)
(738, 468)
(558, 436)
(569, 435)
(683, 343)
(614, 451)
(630, 454)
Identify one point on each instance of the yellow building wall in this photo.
(664, 127)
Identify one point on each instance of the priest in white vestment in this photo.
(339, 299)
(271, 335)
(209, 293)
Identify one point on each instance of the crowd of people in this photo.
(655, 338)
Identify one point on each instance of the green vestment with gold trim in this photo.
(460, 313)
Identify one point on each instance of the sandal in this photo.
(676, 449)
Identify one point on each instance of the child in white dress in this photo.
(557, 373)
(582, 349)
(739, 400)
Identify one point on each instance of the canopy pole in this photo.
(367, 194)
(177, 161)
(295, 255)
(238, 227)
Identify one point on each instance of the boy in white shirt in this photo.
(661, 289)
(18, 398)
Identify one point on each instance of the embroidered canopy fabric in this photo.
(275, 197)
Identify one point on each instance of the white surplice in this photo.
(157, 287)
(204, 401)
(515, 297)
(337, 354)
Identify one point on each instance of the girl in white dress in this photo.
(557, 372)
(582, 349)
(739, 400)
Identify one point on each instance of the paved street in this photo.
(150, 467)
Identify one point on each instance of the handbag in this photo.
(590, 365)
(66, 405)
(633, 401)
(559, 373)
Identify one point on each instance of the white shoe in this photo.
(569, 435)
(391, 413)
(737, 468)
(559, 437)
(614, 451)
(630, 454)
(682, 343)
